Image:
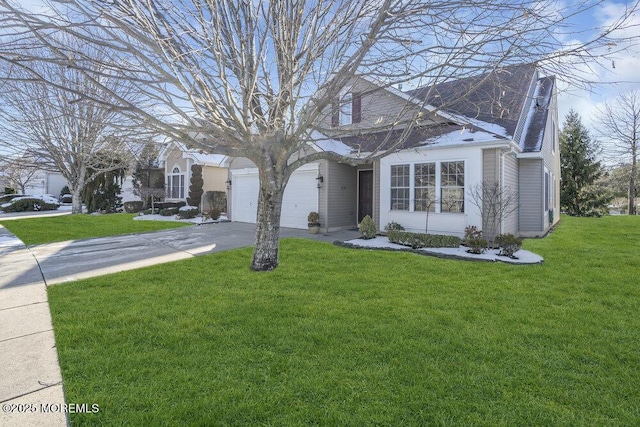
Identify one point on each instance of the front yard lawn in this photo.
(34, 231)
(353, 337)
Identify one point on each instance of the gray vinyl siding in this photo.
(497, 167)
(490, 165)
(530, 187)
(380, 108)
(339, 196)
(490, 175)
(510, 222)
(551, 155)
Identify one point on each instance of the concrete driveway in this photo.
(73, 260)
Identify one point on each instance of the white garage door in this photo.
(245, 197)
(300, 196)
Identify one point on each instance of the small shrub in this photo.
(422, 240)
(313, 219)
(165, 205)
(393, 226)
(471, 232)
(133, 206)
(477, 245)
(188, 212)
(213, 214)
(217, 200)
(65, 190)
(30, 205)
(474, 240)
(168, 211)
(509, 244)
(367, 228)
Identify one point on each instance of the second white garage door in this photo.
(300, 196)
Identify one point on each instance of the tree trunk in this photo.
(265, 251)
(632, 184)
(76, 200)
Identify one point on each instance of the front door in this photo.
(365, 194)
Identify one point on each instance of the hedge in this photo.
(422, 240)
(28, 205)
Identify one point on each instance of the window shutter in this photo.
(335, 114)
(356, 108)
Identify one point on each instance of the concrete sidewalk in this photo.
(31, 391)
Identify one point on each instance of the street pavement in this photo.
(31, 388)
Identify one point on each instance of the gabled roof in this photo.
(496, 98)
(204, 159)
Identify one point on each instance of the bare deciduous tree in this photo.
(259, 79)
(495, 203)
(20, 171)
(620, 130)
(66, 125)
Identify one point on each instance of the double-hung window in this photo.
(400, 188)
(452, 187)
(424, 187)
(347, 109)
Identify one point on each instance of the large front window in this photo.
(428, 187)
(175, 184)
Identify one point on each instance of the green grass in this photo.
(34, 231)
(355, 337)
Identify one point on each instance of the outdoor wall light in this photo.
(228, 182)
(320, 180)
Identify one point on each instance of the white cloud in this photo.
(619, 74)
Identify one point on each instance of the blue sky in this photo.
(613, 81)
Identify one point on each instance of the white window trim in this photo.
(345, 109)
(181, 183)
(438, 189)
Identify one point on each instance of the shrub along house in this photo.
(499, 129)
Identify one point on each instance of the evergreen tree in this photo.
(579, 196)
(196, 187)
(102, 192)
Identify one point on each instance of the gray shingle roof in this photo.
(497, 97)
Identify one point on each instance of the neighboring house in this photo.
(501, 127)
(177, 160)
(46, 182)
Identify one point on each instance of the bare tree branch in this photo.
(620, 132)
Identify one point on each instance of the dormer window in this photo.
(347, 110)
